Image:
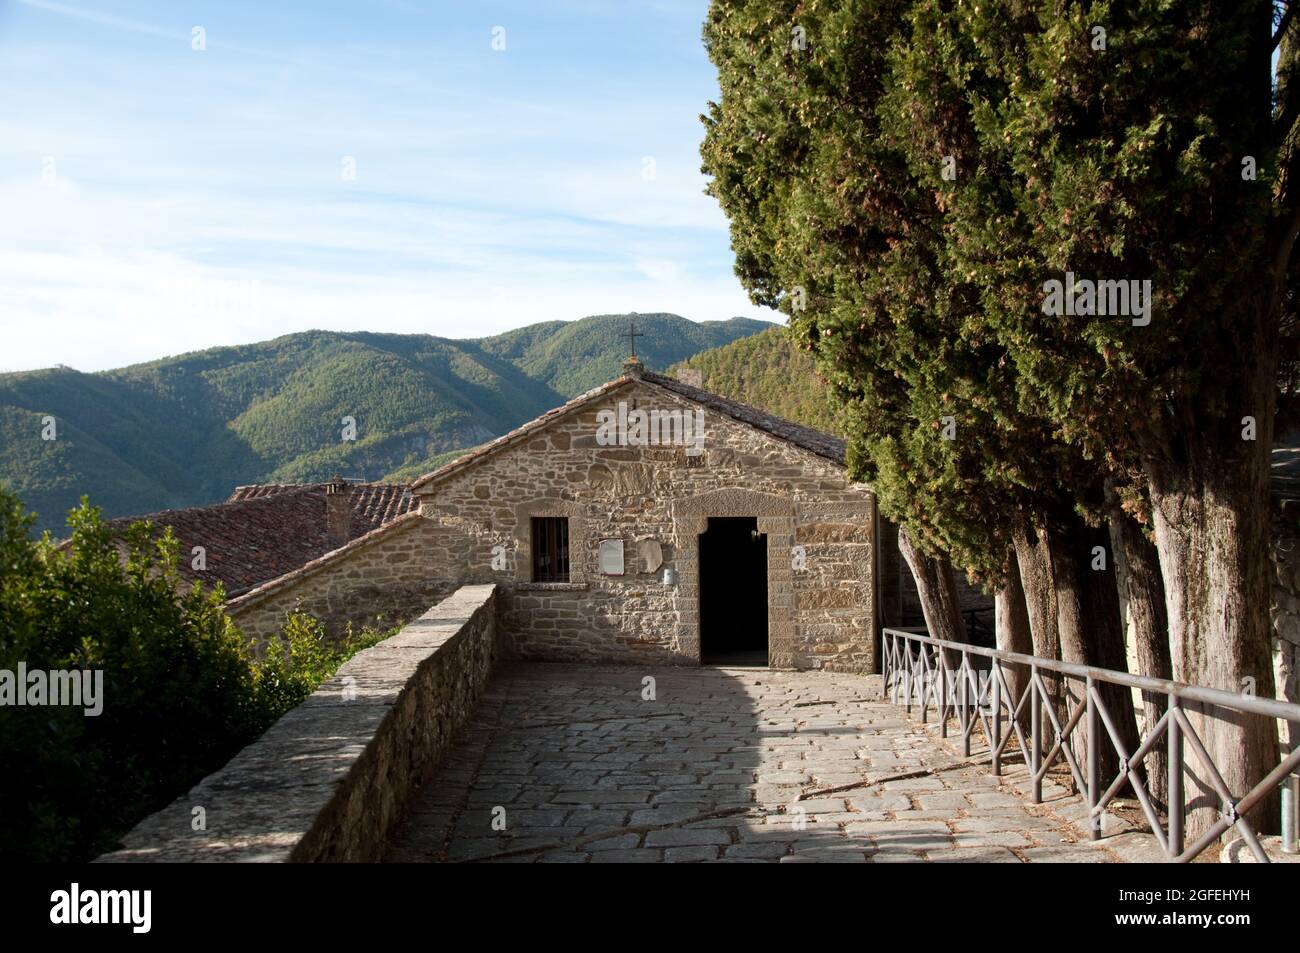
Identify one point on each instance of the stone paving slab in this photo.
(571, 763)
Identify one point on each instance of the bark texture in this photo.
(1013, 632)
(1142, 588)
(937, 588)
(1037, 578)
(1092, 634)
(1214, 549)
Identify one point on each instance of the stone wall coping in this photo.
(295, 784)
(269, 588)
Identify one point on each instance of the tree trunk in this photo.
(1037, 579)
(1212, 534)
(1138, 567)
(1011, 618)
(1092, 634)
(937, 589)
(938, 593)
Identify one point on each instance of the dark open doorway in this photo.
(733, 592)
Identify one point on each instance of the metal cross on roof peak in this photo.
(632, 335)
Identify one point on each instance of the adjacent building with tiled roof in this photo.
(264, 532)
(603, 551)
(371, 504)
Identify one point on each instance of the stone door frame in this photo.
(776, 517)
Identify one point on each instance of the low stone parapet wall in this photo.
(329, 780)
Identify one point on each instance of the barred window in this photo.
(550, 549)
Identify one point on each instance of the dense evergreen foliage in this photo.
(182, 691)
(185, 430)
(905, 178)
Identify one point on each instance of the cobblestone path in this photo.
(722, 765)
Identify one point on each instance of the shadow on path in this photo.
(582, 763)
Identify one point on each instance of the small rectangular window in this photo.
(550, 549)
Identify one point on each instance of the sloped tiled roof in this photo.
(373, 504)
(263, 532)
(824, 445)
(271, 586)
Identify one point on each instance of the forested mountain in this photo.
(767, 371)
(575, 356)
(185, 430)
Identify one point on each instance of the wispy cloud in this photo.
(346, 171)
(105, 19)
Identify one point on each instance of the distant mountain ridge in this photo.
(185, 430)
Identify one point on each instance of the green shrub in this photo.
(183, 691)
(297, 660)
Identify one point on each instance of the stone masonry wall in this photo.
(385, 578)
(657, 499)
(330, 779)
(834, 595)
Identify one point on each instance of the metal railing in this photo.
(923, 671)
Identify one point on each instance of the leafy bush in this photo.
(300, 658)
(182, 691)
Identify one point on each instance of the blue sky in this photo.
(159, 199)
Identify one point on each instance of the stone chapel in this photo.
(647, 520)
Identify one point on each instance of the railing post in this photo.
(893, 669)
(996, 692)
(907, 686)
(965, 709)
(886, 692)
(1094, 764)
(1036, 733)
(1290, 794)
(945, 693)
(1175, 736)
(925, 687)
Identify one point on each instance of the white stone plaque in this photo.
(611, 557)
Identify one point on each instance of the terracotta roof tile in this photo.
(375, 504)
(815, 441)
(271, 586)
(263, 532)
